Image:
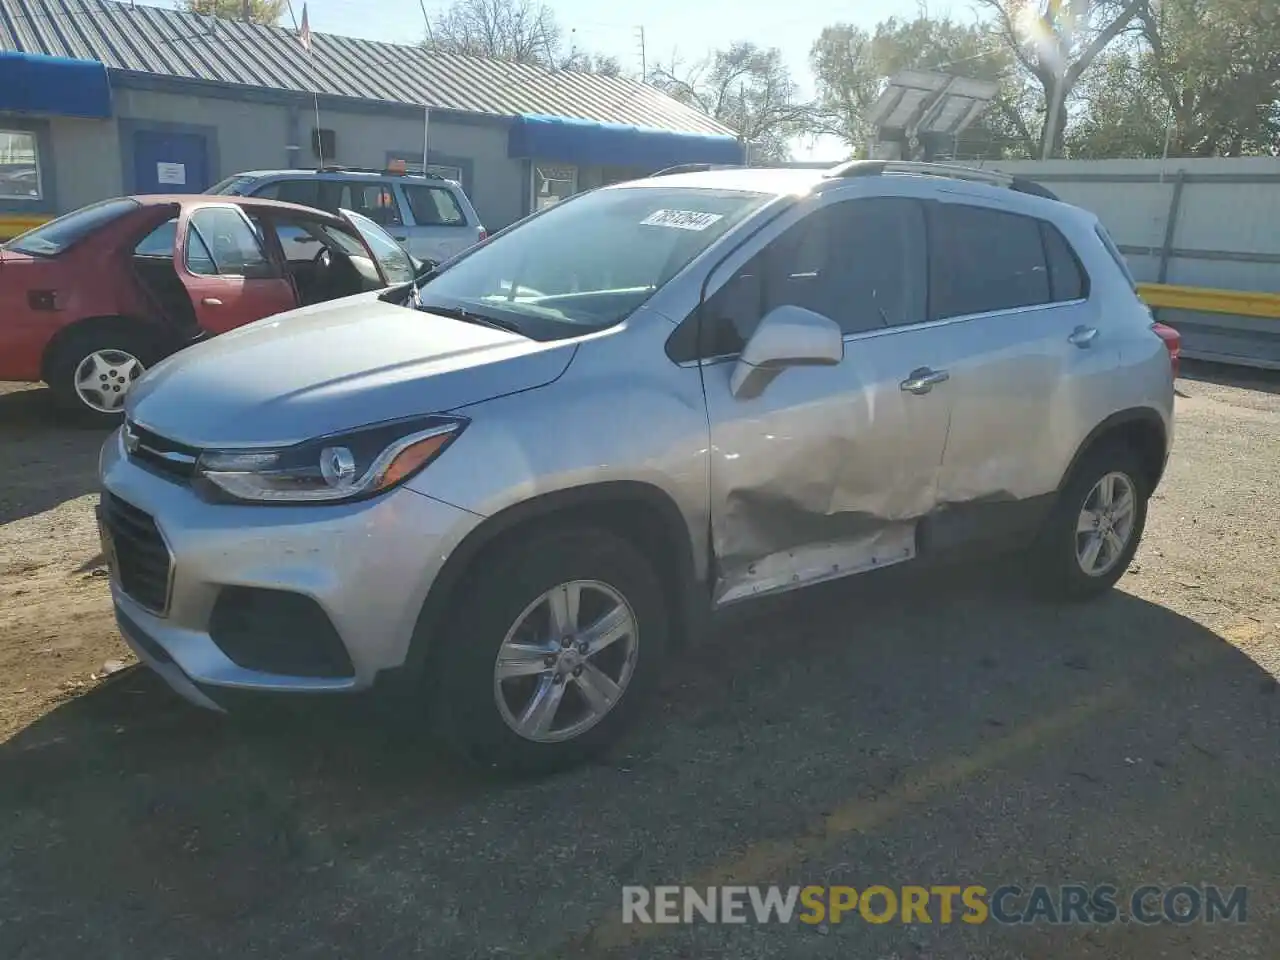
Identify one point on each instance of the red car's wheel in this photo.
(90, 371)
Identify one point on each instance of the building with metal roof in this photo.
(99, 98)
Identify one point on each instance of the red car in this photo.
(90, 300)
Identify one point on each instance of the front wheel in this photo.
(91, 371)
(1094, 530)
(551, 653)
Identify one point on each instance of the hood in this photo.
(331, 367)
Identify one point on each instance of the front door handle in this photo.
(1083, 337)
(211, 302)
(922, 379)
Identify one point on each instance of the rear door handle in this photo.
(922, 379)
(1083, 337)
(211, 302)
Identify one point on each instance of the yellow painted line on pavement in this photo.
(768, 861)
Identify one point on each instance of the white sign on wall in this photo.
(174, 173)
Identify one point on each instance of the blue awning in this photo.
(614, 144)
(31, 83)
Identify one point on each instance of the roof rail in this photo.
(694, 168)
(387, 172)
(876, 168)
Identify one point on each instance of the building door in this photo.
(166, 162)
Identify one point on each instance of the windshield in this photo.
(395, 263)
(50, 239)
(588, 263)
(236, 186)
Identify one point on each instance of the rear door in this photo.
(438, 225)
(1012, 297)
(224, 267)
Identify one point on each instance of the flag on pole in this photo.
(304, 31)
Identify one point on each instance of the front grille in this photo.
(160, 455)
(142, 560)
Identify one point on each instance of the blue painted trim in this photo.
(131, 125)
(588, 143)
(55, 86)
(465, 164)
(243, 93)
(48, 202)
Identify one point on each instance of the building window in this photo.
(19, 166)
(553, 183)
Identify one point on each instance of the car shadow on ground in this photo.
(132, 819)
(1227, 375)
(50, 460)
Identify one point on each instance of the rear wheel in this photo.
(91, 371)
(551, 653)
(1094, 530)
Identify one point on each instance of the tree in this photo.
(519, 31)
(746, 87)
(851, 65)
(1204, 75)
(1055, 42)
(266, 12)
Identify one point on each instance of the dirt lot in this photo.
(906, 731)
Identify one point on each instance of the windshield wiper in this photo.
(457, 313)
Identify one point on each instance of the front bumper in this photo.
(368, 566)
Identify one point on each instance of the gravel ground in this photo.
(901, 730)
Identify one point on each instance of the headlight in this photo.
(345, 466)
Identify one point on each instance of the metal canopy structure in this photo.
(918, 107)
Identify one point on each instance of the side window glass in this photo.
(983, 260)
(433, 206)
(199, 259)
(1066, 278)
(861, 263)
(303, 192)
(230, 242)
(375, 201)
(879, 271)
(159, 242)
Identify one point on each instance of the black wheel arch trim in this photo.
(165, 343)
(1146, 416)
(693, 592)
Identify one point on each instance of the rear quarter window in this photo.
(1116, 255)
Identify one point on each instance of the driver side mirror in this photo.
(788, 336)
(424, 267)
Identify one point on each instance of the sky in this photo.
(686, 28)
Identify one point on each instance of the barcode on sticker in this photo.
(681, 219)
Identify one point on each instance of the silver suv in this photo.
(431, 217)
(520, 484)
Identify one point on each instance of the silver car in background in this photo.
(519, 485)
(430, 216)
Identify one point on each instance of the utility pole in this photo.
(644, 63)
(427, 20)
(246, 11)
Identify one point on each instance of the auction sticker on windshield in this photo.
(681, 219)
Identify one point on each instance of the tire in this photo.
(476, 715)
(1057, 561)
(123, 351)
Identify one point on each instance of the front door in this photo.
(223, 266)
(828, 470)
(165, 162)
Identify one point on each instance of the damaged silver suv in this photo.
(519, 485)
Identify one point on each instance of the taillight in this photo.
(1172, 342)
